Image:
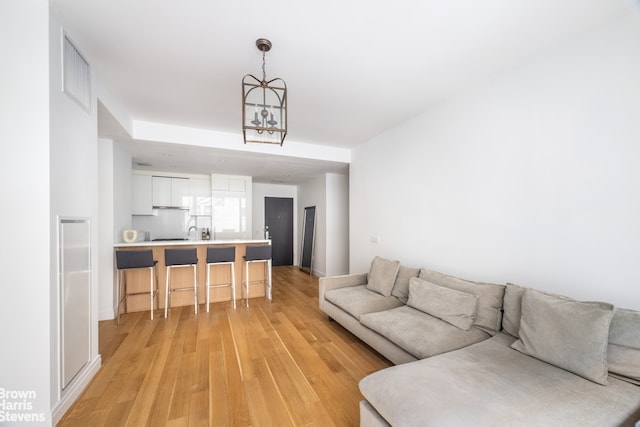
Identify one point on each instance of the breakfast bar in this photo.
(138, 280)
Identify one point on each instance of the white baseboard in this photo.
(71, 394)
(106, 315)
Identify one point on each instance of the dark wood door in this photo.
(278, 216)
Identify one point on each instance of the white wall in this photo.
(122, 192)
(260, 191)
(24, 132)
(314, 193)
(115, 199)
(531, 178)
(329, 193)
(337, 224)
(74, 193)
(106, 229)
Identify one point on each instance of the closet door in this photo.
(75, 297)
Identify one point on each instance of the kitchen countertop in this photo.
(189, 243)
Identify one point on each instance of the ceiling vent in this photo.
(76, 75)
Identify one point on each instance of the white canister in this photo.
(130, 236)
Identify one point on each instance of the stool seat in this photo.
(221, 256)
(260, 253)
(131, 260)
(177, 258)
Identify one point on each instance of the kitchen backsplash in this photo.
(169, 224)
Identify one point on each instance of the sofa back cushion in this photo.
(512, 309)
(623, 350)
(382, 275)
(401, 287)
(623, 353)
(571, 335)
(490, 296)
(454, 307)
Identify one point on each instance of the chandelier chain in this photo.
(264, 73)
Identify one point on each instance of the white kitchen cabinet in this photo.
(142, 195)
(170, 192)
(200, 192)
(231, 210)
(230, 183)
(180, 192)
(161, 191)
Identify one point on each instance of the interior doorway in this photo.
(278, 217)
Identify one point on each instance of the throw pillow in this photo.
(491, 296)
(454, 307)
(571, 335)
(401, 287)
(382, 275)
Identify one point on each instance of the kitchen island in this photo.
(138, 280)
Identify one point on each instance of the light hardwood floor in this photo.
(271, 364)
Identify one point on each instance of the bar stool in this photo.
(131, 260)
(180, 258)
(222, 256)
(260, 253)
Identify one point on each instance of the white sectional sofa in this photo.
(480, 354)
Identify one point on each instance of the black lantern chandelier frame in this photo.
(264, 105)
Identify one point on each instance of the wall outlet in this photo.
(375, 239)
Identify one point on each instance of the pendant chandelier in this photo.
(264, 105)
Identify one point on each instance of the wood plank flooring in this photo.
(270, 364)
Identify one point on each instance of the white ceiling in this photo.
(354, 68)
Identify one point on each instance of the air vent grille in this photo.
(76, 75)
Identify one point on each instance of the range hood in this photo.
(171, 207)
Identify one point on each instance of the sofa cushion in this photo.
(401, 287)
(358, 300)
(418, 333)
(623, 352)
(512, 309)
(490, 384)
(569, 334)
(490, 296)
(623, 349)
(382, 275)
(454, 307)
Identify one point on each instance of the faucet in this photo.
(189, 232)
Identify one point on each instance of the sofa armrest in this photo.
(336, 282)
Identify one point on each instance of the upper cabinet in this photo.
(170, 192)
(231, 211)
(230, 183)
(200, 191)
(142, 198)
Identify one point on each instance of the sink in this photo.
(170, 239)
